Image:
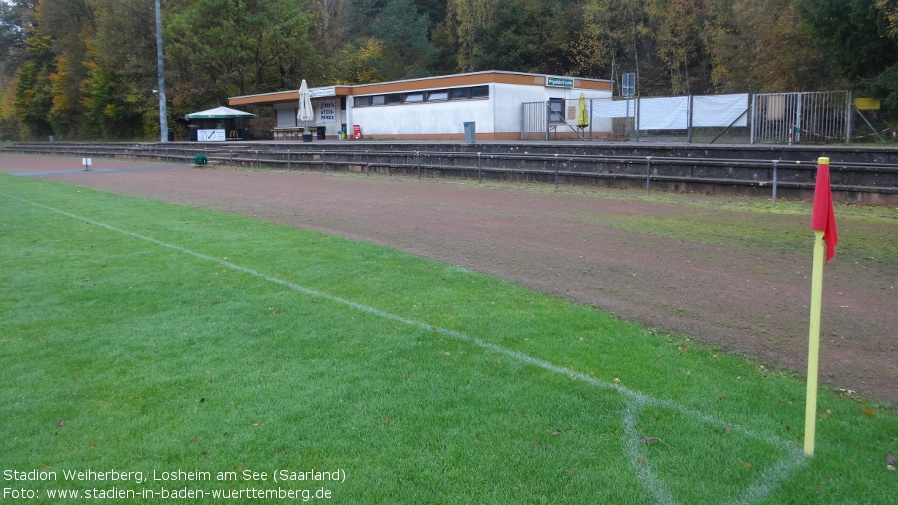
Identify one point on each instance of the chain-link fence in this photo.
(775, 118)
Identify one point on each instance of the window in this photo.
(438, 95)
(480, 92)
(460, 93)
(469, 93)
(556, 110)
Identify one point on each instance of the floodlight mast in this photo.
(163, 112)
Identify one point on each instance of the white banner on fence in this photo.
(672, 113)
(668, 113)
(607, 108)
(720, 110)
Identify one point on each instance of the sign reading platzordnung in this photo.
(560, 82)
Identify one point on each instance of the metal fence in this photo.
(795, 118)
(774, 118)
(860, 179)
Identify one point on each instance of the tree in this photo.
(677, 25)
(889, 9)
(86, 68)
(394, 35)
(359, 62)
(327, 33)
(33, 96)
(403, 31)
(762, 46)
(528, 36)
(854, 34)
(618, 29)
(117, 91)
(512, 40)
(13, 16)
(464, 18)
(859, 41)
(71, 26)
(445, 60)
(223, 48)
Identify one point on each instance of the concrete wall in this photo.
(509, 98)
(432, 118)
(286, 115)
(499, 116)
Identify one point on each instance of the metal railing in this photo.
(827, 117)
(673, 173)
(808, 117)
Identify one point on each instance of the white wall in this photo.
(424, 118)
(507, 100)
(501, 113)
(286, 115)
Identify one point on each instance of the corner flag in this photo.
(823, 222)
(823, 218)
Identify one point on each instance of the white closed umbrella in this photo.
(304, 112)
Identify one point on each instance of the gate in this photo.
(806, 117)
(534, 121)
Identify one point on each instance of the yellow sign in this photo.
(866, 103)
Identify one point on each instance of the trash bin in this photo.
(321, 133)
(470, 132)
(306, 136)
(171, 136)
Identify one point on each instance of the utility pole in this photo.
(163, 112)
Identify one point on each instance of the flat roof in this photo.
(424, 83)
(288, 96)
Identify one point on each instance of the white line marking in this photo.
(772, 478)
(633, 448)
(769, 481)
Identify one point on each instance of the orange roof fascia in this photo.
(427, 83)
(281, 97)
(451, 81)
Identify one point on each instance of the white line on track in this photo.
(768, 482)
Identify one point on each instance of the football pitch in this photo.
(156, 352)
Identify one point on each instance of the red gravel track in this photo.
(752, 301)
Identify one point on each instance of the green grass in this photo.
(870, 236)
(141, 336)
(866, 232)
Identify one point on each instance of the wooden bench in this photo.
(288, 133)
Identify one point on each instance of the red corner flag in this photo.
(823, 218)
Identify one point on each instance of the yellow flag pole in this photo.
(810, 414)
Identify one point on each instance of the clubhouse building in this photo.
(433, 108)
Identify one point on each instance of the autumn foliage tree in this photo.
(87, 68)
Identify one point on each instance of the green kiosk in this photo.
(218, 125)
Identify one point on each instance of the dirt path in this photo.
(752, 301)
